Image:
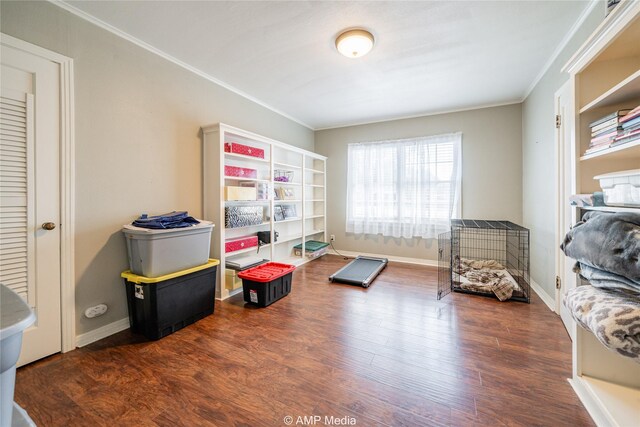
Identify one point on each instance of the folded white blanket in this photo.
(612, 315)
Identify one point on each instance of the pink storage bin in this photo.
(240, 243)
(240, 172)
(247, 150)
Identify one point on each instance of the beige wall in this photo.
(538, 151)
(138, 147)
(491, 171)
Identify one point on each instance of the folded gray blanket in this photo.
(607, 241)
(604, 279)
(612, 315)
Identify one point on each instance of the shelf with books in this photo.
(629, 126)
(622, 151)
(609, 129)
(617, 128)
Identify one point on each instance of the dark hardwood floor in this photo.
(388, 355)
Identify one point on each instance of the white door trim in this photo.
(560, 174)
(564, 182)
(67, 185)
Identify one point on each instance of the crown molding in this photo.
(105, 26)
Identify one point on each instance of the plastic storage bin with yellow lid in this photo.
(159, 306)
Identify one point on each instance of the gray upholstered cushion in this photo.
(612, 315)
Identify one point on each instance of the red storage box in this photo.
(240, 172)
(247, 150)
(267, 283)
(233, 245)
(267, 272)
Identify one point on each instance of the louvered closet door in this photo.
(30, 194)
(16, 153)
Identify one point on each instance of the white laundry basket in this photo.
(15, 317)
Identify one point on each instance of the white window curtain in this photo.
(404, 188)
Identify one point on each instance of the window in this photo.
(404, 188)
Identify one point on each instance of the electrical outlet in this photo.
(95, 311)
(332, 237)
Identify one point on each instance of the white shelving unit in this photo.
(303, 194)
(605, 75)
(315, 206)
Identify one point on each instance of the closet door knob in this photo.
(48, 225)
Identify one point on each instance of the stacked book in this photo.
(605, 130)
(629, 128)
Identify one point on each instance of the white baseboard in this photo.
(102, 332)
(419, 261)
(549, 301)
(591, 403)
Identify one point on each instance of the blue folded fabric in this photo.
(604, 279)
(169, 220)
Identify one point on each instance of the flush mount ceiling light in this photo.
(354, 43)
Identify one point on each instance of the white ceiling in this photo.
(429, 56)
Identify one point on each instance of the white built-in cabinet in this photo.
(605, 76)
(303, 194)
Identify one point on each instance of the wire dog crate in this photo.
(488, 258)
